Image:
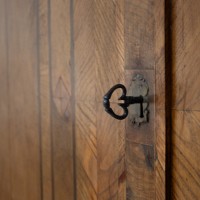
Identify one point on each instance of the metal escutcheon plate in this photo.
(137, 87)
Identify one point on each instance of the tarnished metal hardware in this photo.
(138, 96)
(138, 87)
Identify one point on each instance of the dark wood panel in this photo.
(61, 103)
(145, 54)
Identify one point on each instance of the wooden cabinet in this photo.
(57, 60)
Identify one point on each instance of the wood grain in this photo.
(85, 70)
(86, 151)
(55, 66)
(23, 137)
(186, 162)
(186, 70)
(98, 36)
(109, 35)
(140, 171)
(61, 103)
(186, 107)
(111, 156)
(160, 154)
(139, 34)
(145, 54)
(85, 91)
(45, 99)
(161, 104)
(5, 176)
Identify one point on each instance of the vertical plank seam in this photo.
(51, 95)
(168, 103)
(73, 86)
(38, 97)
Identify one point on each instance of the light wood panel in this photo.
(5, 176)
(162, 100)
(36, 110)
(186, 70)
(45, 99)
(23, 136)
(62, 100)
(109, 38)
(186, 148)
(100, 150)
(186, 107)
(58, 59)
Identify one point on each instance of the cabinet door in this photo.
(58, 59)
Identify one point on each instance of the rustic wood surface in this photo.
(36, 112)
(161, 105)
(145, 54)
(62, 116)
(186, 106)
(98, 37)
(45, 100)
(5, 183)
(58, 58)
(21, 173)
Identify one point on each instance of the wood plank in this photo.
(139, 34)
(160, 155)
(97, 31)
(140, 171)
(186, 70)
(85, 91)
(109, 58)
(186, 148)
(185, 121)
(145, 54)
(109, 45)
(162, 105)
(160, 67)
(111, 156)
(5, 179)
(86, 150)
(45, 100)
(24, 138)
(145, 51)
(61, 104)
(84, 41)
